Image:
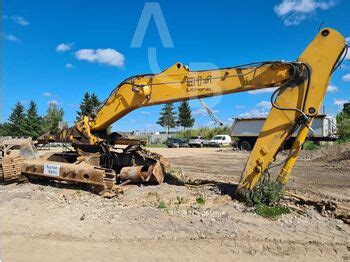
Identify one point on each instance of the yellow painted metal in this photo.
(321, 56)
(293, 155)
(177, 83)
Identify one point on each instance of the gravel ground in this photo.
(51, 222)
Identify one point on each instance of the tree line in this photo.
(169, 118)
(28, 123)
(23, 122)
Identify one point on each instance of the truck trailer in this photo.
(245, 131)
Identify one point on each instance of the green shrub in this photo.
(268, 193)
(265, 198)
(309, 145)
(206, 132)
(200, 200)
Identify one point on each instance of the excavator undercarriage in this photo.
(103, 171)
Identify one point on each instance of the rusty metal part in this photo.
(128, 141)
(28, 150)
(11, 170)
(99, 179)
(157, 157)
(151, 168)
(158, 172)
(96, 167)
(136, 173)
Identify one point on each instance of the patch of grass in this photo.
(161, 205)
(271, 211)
(309, 145)
(200, 200)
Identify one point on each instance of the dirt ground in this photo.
(165, 223)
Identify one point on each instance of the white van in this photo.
(221, 140)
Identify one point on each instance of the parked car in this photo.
(198, 141)
(176, 142)
(220, 140)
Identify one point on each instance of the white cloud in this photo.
(348, 40)
(69, 65)
(64, 47)
(346, 78)
(262, 111)
(340, 102)
(48, 94)
(264, 105)
(259, 91)
(106, 56)
(239, 107)
(10, 37)
(332, 89)
(293, 12)
(17, 19)
(254, 113)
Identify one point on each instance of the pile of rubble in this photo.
(336, 156)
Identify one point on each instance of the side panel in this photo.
(246, 127)
(252, 127)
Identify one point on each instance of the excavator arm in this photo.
(300, 90)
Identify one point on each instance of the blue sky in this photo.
(57, 50)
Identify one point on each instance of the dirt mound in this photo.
(337, 155)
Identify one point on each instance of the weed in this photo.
(271, 211)
(265, 199)
(200, 200)
(161, 205)
(179, 200)
(268, 193)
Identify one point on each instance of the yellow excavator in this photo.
(300, 87)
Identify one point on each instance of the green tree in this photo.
(88, 105)
(343, 123)
(53, 116)
(95, 101)
(33, 123)
(85, 106)
(167, 117)
(5, 129)
(185, 115)
(17, 120)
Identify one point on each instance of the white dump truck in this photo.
(245, 131)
